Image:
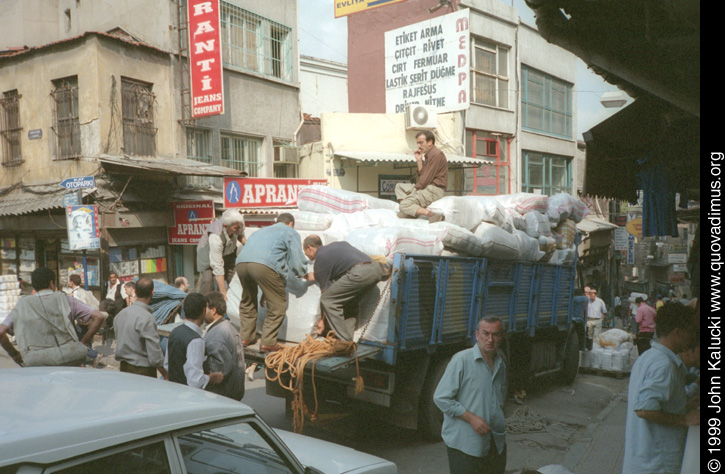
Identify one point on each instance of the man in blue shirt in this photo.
(471, 396)
(264, 262)
(658, 412)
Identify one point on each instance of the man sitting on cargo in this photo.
(344, 274)
(432, 180)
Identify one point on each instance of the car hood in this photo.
(332, 458)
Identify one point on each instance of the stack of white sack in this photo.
(9, 294)
(469, 211)
(326, 200)
(388, 240)
(564, 206)
(456, 240)
(613, 350)
(306, 220)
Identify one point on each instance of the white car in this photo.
(78, 420)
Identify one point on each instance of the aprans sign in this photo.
(264, 192)
(190, 221)
(205, 58)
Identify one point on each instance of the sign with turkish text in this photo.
(83, 227)
(264, 192)
(634, 227)
(677, 258)
(387, 183)
(205, 58)
(621, 239)
(427, 63)
(190, 220)
(679, 268)
(79, 183)
(348, 7)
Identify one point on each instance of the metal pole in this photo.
(85, 269)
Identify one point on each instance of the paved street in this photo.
(583, 427)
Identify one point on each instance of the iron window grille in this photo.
(241, 153)
(66, 123)
(198, 148)
(139, 133)
(10, 128)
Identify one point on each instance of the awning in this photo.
(19, 200)
(176, 166)
(594, 224)
(385, 157)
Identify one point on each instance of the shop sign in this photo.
(264, 192)
(190, 221)
(205, 58)
(634, 227)
(677, 258)
(79, 183)
(621, 239)
(630, 250)
(427, 63)
(348, 7)
(679, 268)
(83, 228)
(387, 183)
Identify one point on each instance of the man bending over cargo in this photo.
(432, 180)
(344, 274)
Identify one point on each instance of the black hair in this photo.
(216, 300)
(41, 278)
(144, 288)
(286, 218)
(194, 306)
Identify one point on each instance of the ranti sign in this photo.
(427, 63)
(205, 58)
(264, 192)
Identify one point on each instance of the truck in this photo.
(435, 305)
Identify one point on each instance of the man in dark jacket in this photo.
(224, 349)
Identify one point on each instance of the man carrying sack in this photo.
(43, 326)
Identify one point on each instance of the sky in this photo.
(325, 37)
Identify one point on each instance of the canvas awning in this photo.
(175, 166)
(386, 157)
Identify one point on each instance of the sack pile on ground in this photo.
(9, 294)
(612, 351)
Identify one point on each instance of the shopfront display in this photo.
(8, 256)
(129, 262)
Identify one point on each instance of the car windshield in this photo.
(234, 448)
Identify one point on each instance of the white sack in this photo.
(460, 239)
(377, 330)
(345, 223)
(529, 250)
(306, 220)
(537, 224)
(326, 200)
(496, 242)
(462, 212)
(491, 210)
(566, 206)
(386, 241)
(524, 202)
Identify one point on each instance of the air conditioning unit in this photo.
(420, 117)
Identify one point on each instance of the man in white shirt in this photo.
(184, 360)
(596, 310)
(81, 294)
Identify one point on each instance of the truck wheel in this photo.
(430, 418)
(570, 363)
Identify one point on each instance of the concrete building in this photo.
(323, 86)
(520, 124)
(100, 89)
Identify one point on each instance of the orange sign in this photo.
(634, 227)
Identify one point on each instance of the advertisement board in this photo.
(83, 227)
(190, 221)
(427, 63)
(205, 58)
(348, 7)
(264, 192)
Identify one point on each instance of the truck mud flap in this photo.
(329, 365)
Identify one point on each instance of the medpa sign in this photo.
(205, 58)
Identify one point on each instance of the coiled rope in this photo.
(526, 420)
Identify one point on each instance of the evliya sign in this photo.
(264, 192)
(348, 7)
(427, 63)
(205, 58)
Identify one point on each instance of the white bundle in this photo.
(524, 202)
(12, 292)
(605, 358)
(388, 240)
(584, 359)
(8, 279)
(537, 224)
(326, 200)
(306, 220)
(595, 357)
(566, 206)
(528, 247)
(462, 212)
(620, 360)
(376, 301)
(490, 209)
(460, 239)
(10, 285)
(496, 242)
(345, 223)
(614, 338)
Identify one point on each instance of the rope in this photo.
(526, 420)
(289, 364)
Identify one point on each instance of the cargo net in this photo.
(287, 367)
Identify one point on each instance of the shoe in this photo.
(274, 348)
(247, 342)
(436, 218)
(403, 216)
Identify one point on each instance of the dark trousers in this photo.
(134, 369)
(644, 341)
(462, 463)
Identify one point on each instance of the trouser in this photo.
(254, 276)
(411, 198)
(135, 369)
(462, 463)
(644, 341)
(594, 329)
(352, 284)
(206, 283)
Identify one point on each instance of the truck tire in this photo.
(430, 418)
(570, 362)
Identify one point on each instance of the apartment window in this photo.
(493, 175)
(66, 124)
(10, 128)
(546, 103)
(139, 133)
(489, 74)
(286, 160)
(198, 148)
(255, 44)
(242, 153)
(546, 174)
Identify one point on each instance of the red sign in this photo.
(190, 221)
(205, 58)
(264, 192)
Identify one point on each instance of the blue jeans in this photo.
(462, 463)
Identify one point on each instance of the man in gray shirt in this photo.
(137, 339)
(224, 349)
